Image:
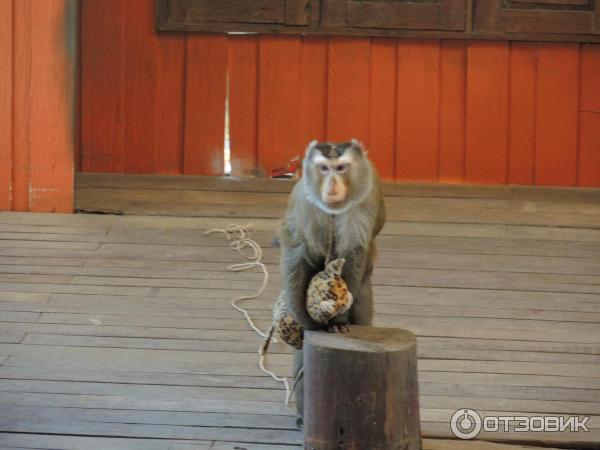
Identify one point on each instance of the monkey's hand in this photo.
(338, 328)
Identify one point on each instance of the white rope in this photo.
(243, 241)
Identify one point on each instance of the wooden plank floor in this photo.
(116, 331)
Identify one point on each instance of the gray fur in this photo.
(304, 238)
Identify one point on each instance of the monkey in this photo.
(337, 200)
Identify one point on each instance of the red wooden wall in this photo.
(37, 105)
(428, 110)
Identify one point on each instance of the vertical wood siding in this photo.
(522, 113)
(243, 112)
(452, 107)
(205, 91)
(382, 106)
(132, 90)
(37, 105)
(6, 103)
(428, 110)
(557, 117)
(279, 86)
(417, 116)
(588, 165)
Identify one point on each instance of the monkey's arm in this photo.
(357, 275)
(363, 309)
(380, 214)
(296, 273)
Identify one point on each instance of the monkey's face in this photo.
(330, 171)
(332, 176)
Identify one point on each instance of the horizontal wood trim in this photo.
(408, 34)
(444, 20)
(234, 184)
(557, 3)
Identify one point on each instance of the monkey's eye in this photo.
(323, 168)
(342, 168)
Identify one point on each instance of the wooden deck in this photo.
(116, 331)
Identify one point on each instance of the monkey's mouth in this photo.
(334, 201)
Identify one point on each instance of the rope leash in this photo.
(330, 240)
(250, 250)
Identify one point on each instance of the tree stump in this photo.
(360, 390)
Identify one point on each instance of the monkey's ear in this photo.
(311, 146)
(357, 145)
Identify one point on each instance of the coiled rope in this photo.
(241, 243)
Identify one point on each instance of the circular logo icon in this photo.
(465, 424)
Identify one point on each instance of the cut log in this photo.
(361, 391)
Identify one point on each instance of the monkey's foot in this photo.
(338, 328)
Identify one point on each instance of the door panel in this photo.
(416, 15)
(537, 16)
(231, 15)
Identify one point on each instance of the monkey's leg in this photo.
(299, 388)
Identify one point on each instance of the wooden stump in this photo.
(360, 390)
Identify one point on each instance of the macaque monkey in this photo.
(339, 196)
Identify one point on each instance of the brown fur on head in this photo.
(336, 174)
